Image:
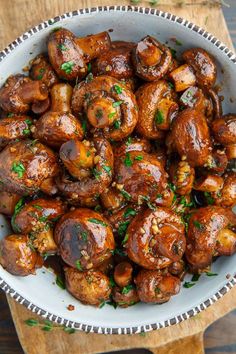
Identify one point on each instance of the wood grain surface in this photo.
(16, 16)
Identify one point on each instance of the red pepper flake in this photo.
(70, 307)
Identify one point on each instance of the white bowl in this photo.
(39, 293)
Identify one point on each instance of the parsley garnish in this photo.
(125, 194)
(111, 115)
(62, 47)
(123, 227)
(96, 173)
(99, 113)
(125, 239)
(127, 160)
(159, 117)
(138, 158)
(210, 274)
(97, 221)
(209, 199)
(117, 104)
(195, 277)
(89, 67)
(60, 282)
(38, 207)
(198, 225)
(107, 169)
(116, 124)
(18, 168)
(78, 265)
(188, 285)
(118, 90)
(67, 66)
(129, 212)
(126, 289)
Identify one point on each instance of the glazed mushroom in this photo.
(226, 196)
(155, 287)
(143, 171)
(100, 175)
(182, 176)
(195, 144)
(19, 92)
(157, 108)
(203, 65)
(36, 219)
(125, 297)
(84, 238)
(209, 235)
(209, 183)
(224, 130)
(155, 239)
(90, 287)
(17, 127)
(42, 71)
(183, 77)
(112, 199)
(132, 144)
(24, 165)
(123, 274)
(108, 104)
(116, 62)
(69, 55)
(17, 257)
(8, 202)
(151, 59)
(59, 124)
(218, 162)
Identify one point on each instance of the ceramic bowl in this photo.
(39, 293)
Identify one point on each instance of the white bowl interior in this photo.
(41, 289)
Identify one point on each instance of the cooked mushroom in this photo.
(19, 92)
(195, 144)
(100, 174)
(155, 239)
(42, 70)
(59, 124)
(209, 235)
(90, 287)
(84, 238)
(125, 297)
(203, 65)
(17, 255)
(157, 108)
(155, 287)
(224, 130)
(24, 165)
(151, 59)
(7, 202)
(69, 55)
(108, 104)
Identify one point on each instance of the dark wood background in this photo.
(220, 338)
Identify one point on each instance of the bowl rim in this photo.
(228, 284)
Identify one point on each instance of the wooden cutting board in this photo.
(17, 16)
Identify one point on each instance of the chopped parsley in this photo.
(209, 199)
(126, 289)
(117, 104)
(139, 158)
(62, 47)
(67, 66)
(97, 221)
(129, 212)
(78, 265)
(125, 194)
(210, 274)
(107, 169)
(99, 113)
(117, 89)
(112, 282)
(96, 173)
(171, 86)
(188, 284)
(60, 282)
(116, 124)
(127, 160)
(195, 277)
(38, 207)
(89, 67)
(18, 168)
(123, 227)
(159, 117)
(125, 239)
(40, 76)
(111, 115)
(102, 303)
(198, 225)
(89, 77)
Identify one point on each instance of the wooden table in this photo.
(29, 13)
